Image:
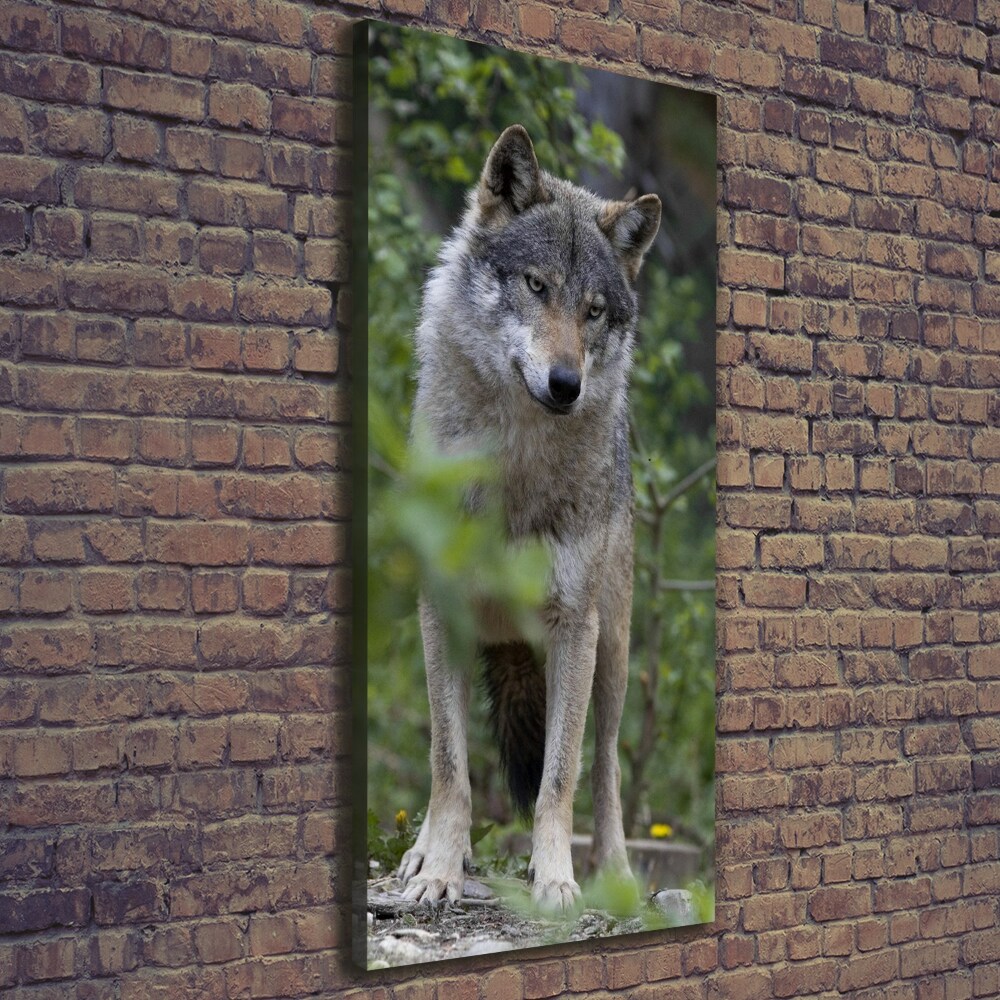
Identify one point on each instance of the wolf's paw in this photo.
(429, 887)
(556, 897)
(411, 863)
(429, 878)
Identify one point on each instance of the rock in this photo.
(389, 904)
(486, 946)
(477, 890)
(392, 903)
(397, 952)
(415, 934)
(676, 905)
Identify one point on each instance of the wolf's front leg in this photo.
(569, 674)
(434, 868)
(610, 681)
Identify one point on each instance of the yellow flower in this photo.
(401, 820)
(661, 830)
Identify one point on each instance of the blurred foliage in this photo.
(436, 106)
(387, 849)
(619, 899)
(419, 530)
(668, 728)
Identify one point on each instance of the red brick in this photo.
(24, 282)
(752, 269)
(239, 105)
(821, 85)
(45, 437)
(45, 960)
(202, 743)
(315, 352)
(240, 157)
(96, 36)
(265, 448)
(773, 911)
(40, 754)
(269, 67)
(598, 38)
(666, 50)
(215, 593)
(222, 251)
(161, 590)
(624, 969)
(13, 228)
(276, 254)
(536, 23)
(840, 902)
(163, 441)
(215, 544)
(214, 443)
(313, 121)
(290, 164)
(106, 591)
(817, 202)
(760, 193)
(190, 149)
(265, 592)
(26, 26)
(318, 449)
(314, 216)
(326, 260)
(63, 488)
(155, 95)
(266, 350)
(28, 179)
(231, 202)
(291, 304)
(190, 55)
(218, 941)
(773, 590)
(136, 139)
(49, 78)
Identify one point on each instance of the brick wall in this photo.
(173, 781)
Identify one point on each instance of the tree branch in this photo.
(686, 483)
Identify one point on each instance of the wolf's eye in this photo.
(596, 311)
(534, 283)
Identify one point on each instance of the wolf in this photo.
(524, 348)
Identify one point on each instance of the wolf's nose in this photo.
(564, 384)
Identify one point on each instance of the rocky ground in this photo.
(488, 919)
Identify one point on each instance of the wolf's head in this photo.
(549, 270)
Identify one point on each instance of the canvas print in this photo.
(535, 334)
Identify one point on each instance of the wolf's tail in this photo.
(515, 687)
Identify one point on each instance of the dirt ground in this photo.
(405, 933)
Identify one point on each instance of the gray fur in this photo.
(538, 274)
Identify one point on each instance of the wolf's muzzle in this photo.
(545, 398)
(564, 385)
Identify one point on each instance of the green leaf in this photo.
(477, 833)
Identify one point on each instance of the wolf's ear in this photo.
(511, 179)
(631, 227)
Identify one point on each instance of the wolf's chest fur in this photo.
(548, 470)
